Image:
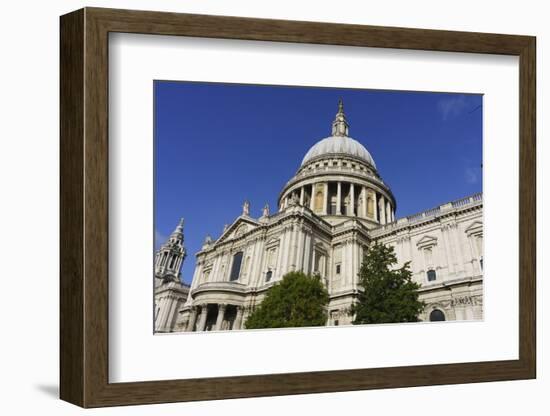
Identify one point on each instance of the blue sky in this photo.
(219, 144)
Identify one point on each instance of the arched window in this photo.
(268, 275)
(431, 275)
(318, 201)
(436, 315)
(236, 267)
(370, 206)
(173, 261)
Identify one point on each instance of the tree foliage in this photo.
(389, 295)
(298, 300)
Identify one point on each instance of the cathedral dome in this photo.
(339, 146)
(339, 143)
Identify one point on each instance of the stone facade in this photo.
(329, 213)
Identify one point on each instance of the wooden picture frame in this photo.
(84, 207)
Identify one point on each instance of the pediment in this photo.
(426, 241)
(321, 247)
(475, 227)
(241, 226)
(273, 242)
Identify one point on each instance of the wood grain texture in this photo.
(84, 207)
(71, 210)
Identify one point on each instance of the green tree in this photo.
(297, 300)
(389, 294)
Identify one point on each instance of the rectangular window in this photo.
(338, 268)
(236, 267)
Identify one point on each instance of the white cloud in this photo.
(471, 175)
(159, 239)
(452, 107)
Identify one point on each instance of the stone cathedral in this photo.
(331, 210)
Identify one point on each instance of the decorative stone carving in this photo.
(294, 200)
(246, 209)
(463, 300)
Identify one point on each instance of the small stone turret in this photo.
(170, 257)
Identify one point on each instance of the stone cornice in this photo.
(449, 284)
(172, 287)
(442, 212)
(344, 293)
(332, 156)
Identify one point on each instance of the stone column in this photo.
(202, 320)
(338, 199)
(382, 207)
(219, 319)
(192, 319)
(302, 196)
(388, 211)
(364, 201)
(325, 198)
(352, 199)
(375, 205)
(312, 198)
(238, 318)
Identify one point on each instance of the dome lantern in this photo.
(339, 144)
(340, 126)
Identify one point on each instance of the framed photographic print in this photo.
(262, 207)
